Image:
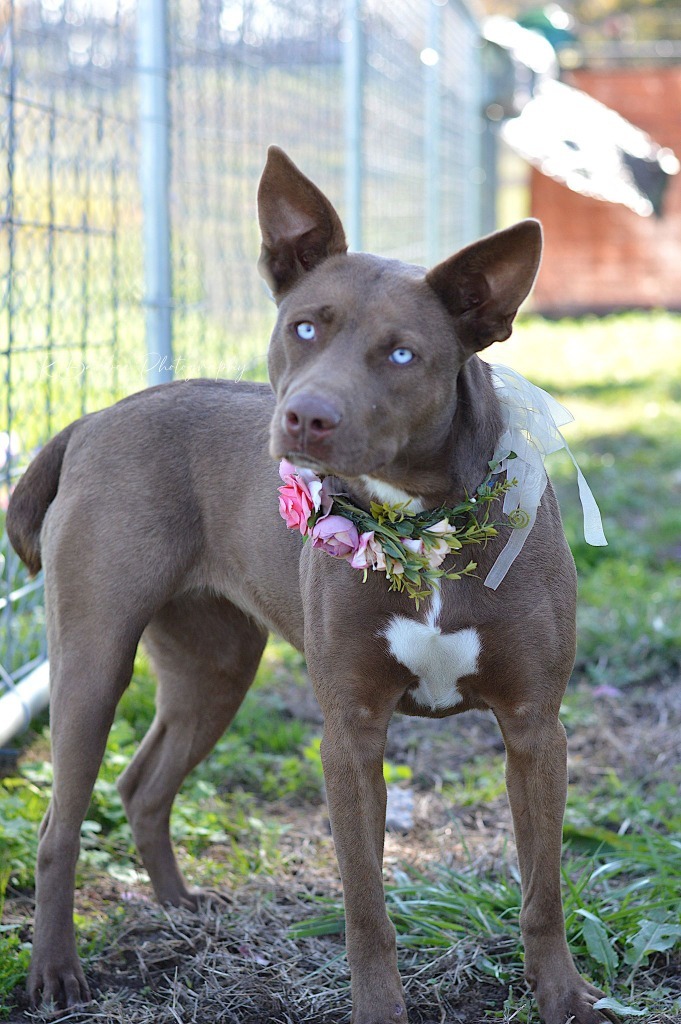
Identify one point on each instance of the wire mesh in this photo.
(242, 74)
(70, 312)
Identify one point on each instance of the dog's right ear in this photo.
(299, 226)
(483, 286)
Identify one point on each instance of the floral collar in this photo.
(409, 547)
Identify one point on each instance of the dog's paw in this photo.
(396, 1014)
(192, 899)
(197, 899)
(59, 984)
(573, 1002)
(377, 1005)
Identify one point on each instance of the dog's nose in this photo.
(308, 418)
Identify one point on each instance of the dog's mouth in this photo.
(322, 469)
(307, 462)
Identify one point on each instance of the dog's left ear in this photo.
(483, 286)
(299, 226)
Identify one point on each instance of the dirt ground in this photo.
(235, 961)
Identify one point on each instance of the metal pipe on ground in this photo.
(23, 702)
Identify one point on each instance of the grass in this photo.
(622, 379)
(620, 909)
(14, 954)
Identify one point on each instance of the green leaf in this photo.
(608, 1003)
(652, 937)
(597, 942)
(392, 550)
(595, 837)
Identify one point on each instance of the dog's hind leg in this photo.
(205, 652)
(110, 561)
(89, 670)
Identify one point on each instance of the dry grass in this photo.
(234, 962)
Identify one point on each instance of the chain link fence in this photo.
(381, 104)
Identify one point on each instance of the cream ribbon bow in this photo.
(532, 421)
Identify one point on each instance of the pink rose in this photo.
(300, 496)
(295, 507)
(336, 535)
(369, 553)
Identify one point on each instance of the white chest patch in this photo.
(437, 659)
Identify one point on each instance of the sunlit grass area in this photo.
(621, 378)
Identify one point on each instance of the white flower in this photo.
(442, 529)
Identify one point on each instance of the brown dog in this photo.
(157, 519)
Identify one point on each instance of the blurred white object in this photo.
(570, 136)
(580, 142)
(9, 447)
(527, 47)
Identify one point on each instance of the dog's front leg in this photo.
(536, 778)
(352, 756)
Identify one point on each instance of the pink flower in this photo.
(300, 496)
(336, 535)
(369, 553)
(295, 507)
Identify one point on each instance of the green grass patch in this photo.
(621, 378)
(23, 802)
(478, 782)
(621, 885)
(266, 756)
(619, 909)
(14, 959)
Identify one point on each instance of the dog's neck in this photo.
(456, 462)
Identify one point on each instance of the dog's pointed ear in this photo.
(483, 286)
(299, 226)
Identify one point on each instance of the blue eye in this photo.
(306, 331)
(401, 356)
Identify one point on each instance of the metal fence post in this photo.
(432, 130)
(152, 38)
(353, 84)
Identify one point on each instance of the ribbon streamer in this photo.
(532, 422)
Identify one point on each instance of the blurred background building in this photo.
(622, 251)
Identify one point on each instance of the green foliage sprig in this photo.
(414, 544)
